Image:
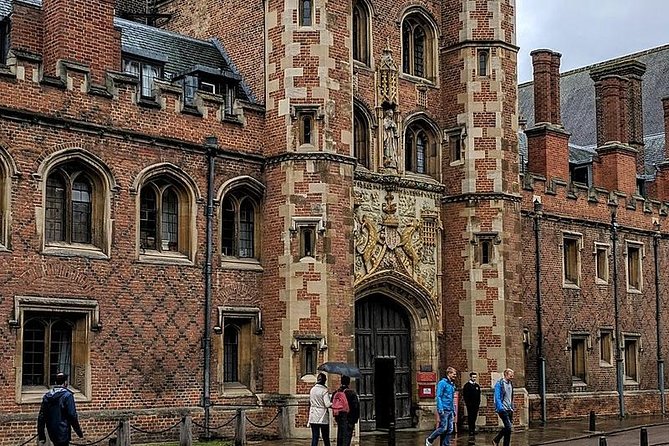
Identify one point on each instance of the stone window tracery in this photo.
(417, 47)
(238, 226)
(361, 138)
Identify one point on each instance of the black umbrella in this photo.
(340, 368)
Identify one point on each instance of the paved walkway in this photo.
(571, 433)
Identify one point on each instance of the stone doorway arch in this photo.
(396, 336)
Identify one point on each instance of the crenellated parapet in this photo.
(117, 103)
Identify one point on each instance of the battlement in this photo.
(578, 201)
(118, 103)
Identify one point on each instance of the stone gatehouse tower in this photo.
(365, 191)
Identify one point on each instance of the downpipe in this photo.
(658, 318)
(541, 361)
(616, 310)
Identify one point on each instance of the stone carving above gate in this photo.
(397, 233)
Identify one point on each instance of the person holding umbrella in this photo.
(319, 417)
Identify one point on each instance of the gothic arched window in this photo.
(420, 151)
(361, 32)
(361, 138)
(239, 226)
(70, 215)
(417, 47)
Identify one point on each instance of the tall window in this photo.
(483, 59)
(147, 72)
(159, 217)
(306, 12)
(231, 354)
(361, 139)
(47, 349)
(69, 206)
(418, 151)
(360, 32)
(634, 267)
(238, 226)
(4, 202)
(606, 346)
(631, 359)
(571, 260)
(417, 47)
(602, 263)
(4, 40)
(578, 359)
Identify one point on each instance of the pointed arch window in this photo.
(70, 212)
(159, 217)
(361, 32)
(417, 47)
(238, 226)
(420, 152)
(361, 138)
(4, 203)
(483, 56)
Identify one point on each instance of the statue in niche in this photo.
(390, 139)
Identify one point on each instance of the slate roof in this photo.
(577, 98)
(180, 54)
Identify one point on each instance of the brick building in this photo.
(200, 204)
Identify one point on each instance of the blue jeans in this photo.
(506, 417)
(445, 427)
(324, 430)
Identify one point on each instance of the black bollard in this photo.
(391, 434)
(644, 437)
(602, 441)
(592, 421)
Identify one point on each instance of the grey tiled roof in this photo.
(180, 54)
(5, 8)
(577, 98)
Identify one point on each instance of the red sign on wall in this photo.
(426, 377)
(426, 390)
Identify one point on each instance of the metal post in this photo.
(658, 317)
(619, 358)
(592, 421)
(602, 441)
(643, 437)
(391, 434)
(541, 361)
(210, 145)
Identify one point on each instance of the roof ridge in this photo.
(163, 31)
(606, 62)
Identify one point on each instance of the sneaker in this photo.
(428, 442)
(494, 443)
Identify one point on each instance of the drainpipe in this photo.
(211, 144)
(541, 360)
(619, 358)
(658, 319)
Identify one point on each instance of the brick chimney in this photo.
(615, 166)
(547, 141)
(630, 106)
(662, 178)
(80, 31)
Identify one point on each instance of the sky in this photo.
(588, 31)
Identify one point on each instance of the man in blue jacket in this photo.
(504, 406)
(58, 414)
(445, 407)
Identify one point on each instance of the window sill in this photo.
(578, 386)
(148, 103)
(605, 365)
(309, 259)
(459, 162)
(75, 250)
(633, 291)
(571, 286)
(165, 258)
(418, 80)
(235, 263)
(362, 66)
(34, 394)
(601, 282)
(236, 389)
(422, 177)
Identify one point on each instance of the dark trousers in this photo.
(324, 431)
(344, 431)
(472, 415)
(506, 417)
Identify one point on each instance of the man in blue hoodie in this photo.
(504, 407)
(58, 414)
(445, 408)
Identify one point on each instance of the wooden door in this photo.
(383, 331)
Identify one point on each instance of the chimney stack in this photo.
(628, 106)
(662, 178)
(80, 31)
(547, 141)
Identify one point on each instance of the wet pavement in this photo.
(557, 433)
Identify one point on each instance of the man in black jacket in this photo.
(59, 414)
(346, 420)
(471, 392)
